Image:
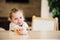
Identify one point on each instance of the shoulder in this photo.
(12, 24)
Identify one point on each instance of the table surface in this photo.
(9, 35)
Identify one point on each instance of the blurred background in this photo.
(40, 8)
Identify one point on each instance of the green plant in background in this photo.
(54, 6)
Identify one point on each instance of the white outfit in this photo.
(14, 26)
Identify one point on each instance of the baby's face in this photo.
(17, 18)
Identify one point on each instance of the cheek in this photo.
(15, 21)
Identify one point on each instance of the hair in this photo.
(14, 10)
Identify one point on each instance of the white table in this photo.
(8, 35)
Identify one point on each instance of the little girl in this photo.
(17, 21)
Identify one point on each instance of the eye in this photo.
(20, 17)
(16, 18)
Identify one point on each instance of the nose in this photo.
(19, 20)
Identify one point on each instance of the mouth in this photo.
(19, 23)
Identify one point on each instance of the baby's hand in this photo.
(21, 30)
(17, 32)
